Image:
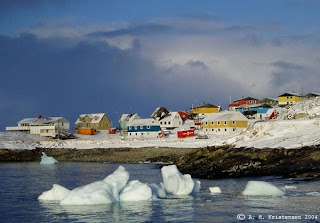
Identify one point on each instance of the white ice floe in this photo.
(47, 160)
(99, 192)
(289, 187)
(177, 184)
(317, 194)
(136, 191)
(262, 188)
(116, 188)
(215, 190)
(57, 193)
(158, 191)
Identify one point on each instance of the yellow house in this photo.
(205, 109)
(224, 123)
(289, 98)
(98, 121)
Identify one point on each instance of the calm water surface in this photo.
(22, 183)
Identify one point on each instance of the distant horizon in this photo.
(77, 56)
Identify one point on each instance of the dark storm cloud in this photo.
(6, 6)
(143, 29)
(57, 76)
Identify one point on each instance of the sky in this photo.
(72, 57)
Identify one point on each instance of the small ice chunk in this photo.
(47, 160)
(197, 186)
(314, 193)
(136, 191)
(175, 183)
(157, 191)
(99, 192)
(262, 188)
(289, 187)
(57, 193)
(215, 190)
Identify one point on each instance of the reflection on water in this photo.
(22, 183)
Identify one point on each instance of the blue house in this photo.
(143, 128)
(259, 111)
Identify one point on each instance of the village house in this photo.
(143, 128)
(204, 109)
(97, 122)
(259, 111)
(224, 123)
(270, 101)
(312, 95)
(171, 121)
(50, 126)
(243, 101)
(159, 112)
(289, 98)
(125, 119)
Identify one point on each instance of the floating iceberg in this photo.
(177, 184)
(158, 191)
(99, 192)
(57, 193)
(262, 188)
(215, 190)
(47, 160)
(136, 191)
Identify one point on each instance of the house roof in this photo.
(246, 99)
(225, 116)
(267, 98)
(128, 117)
(169, 117)
(43, 121)
(95, 118)
(313, 93)
(206, 106)
(145, 121)
(290, 94)
(160, 111)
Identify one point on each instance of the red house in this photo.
(244, 101)
(184, 116)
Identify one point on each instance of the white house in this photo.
(50, 126)
(171, 120)
(125, 119)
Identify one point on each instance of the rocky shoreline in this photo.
(208, 163)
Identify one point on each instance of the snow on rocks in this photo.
(262, 188)
(215, 190)
(47, 160)
(177, 184)
(57, 193)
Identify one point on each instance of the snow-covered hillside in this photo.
(293, 133)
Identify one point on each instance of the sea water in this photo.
(22, 183)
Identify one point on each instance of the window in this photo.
(206, 123)
(160, 123)
(225, 130)
(211, 123)
(169, 123)
(148, 127)
(233, 122)
(136, 134)
(218, 130)
(165, 123)
(218, 123)
(206, 130)
(212, 130)
(130, 128)
(234, 129)
(142, 133)
(136, 127)
(141, 127)
(130, 133)
(225, 122)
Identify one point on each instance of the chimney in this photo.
(39, 117)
